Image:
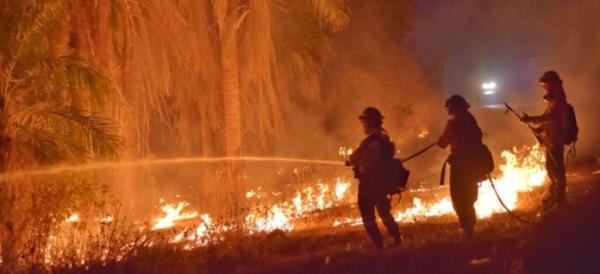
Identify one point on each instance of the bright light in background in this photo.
(489, 85)
(489, 88)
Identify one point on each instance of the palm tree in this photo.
(214, 74)
(254, 53)
(251, 65)
(200, 69)
(51, 99)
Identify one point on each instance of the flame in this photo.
(275, 218)
(203, 228)
(280, 216)
(173, 214)
(521, 171)
(340, 189)
(519, 174)
(250, 194)
(73, 218)
(420, 210)
(345, 151)
(106, 220)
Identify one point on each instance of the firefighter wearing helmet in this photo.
(557, 127)
(464, 137)
(368, 160)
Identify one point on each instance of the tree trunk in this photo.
(231, 91)
(232, 105)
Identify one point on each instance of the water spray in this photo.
(149, 162)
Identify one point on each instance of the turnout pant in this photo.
(368, 202)
(555, 166)
(463, 191)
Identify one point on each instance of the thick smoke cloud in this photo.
(370, 66)
(460, 43)
(407, 57)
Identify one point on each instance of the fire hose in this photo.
(536, 135)
(489, 177)
(510, 212)
(551, 172)
(418, 152)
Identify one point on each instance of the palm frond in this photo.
(64, 74)
(302, 48)
(50, 16)
(61, 133)
(171, 77)
(261, 103)
(332, 14)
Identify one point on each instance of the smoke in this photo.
(406, 57)
(460, 43)
(370, 66)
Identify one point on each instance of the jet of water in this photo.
(149, 162)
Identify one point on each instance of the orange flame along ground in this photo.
(522, 170)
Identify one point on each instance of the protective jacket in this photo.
(464, 137)
(369, 161)
(553, 122)
(372, 152)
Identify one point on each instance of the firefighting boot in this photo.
(377, 239)
(561, 194)
(375, 235)
(393, 229)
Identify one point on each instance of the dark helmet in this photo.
(370, 113)
(456, 102)
(550, 77)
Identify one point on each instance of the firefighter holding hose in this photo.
(368, 162)
(557, 127)
(465, 139)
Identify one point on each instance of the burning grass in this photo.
(297, 251)
(317, 218)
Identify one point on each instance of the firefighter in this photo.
(550, 126)
(368, 160)
(464, 137)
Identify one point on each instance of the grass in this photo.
(328, 249)
(565, 241)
